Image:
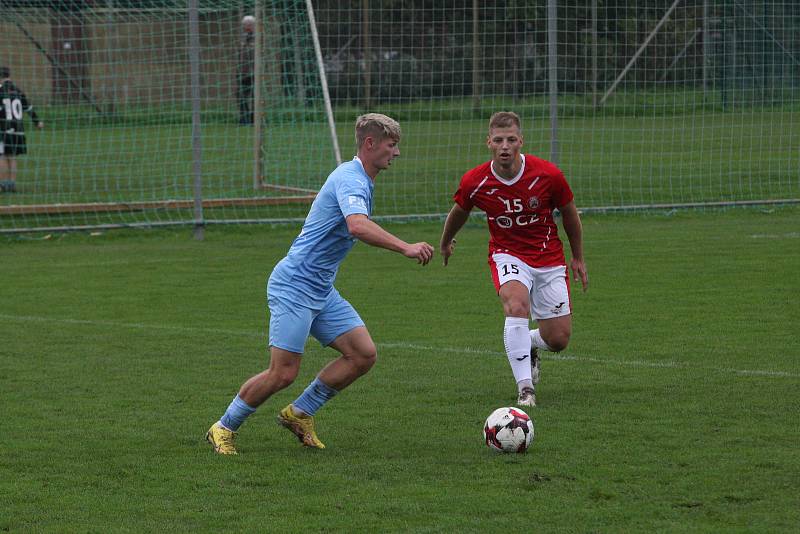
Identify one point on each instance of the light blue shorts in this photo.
(291, 323)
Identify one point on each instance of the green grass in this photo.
(674, 409)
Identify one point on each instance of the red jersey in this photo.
(519, 211)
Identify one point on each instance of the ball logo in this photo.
(504, 222)
(533, 203)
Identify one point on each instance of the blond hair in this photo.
(376, 125)
(504, 119)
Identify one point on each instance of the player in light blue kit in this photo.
(303, 301)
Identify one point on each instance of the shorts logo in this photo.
(356, 201)
(533, 203)
(558, 309)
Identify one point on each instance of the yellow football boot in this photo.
(301, 426)
(221, 439)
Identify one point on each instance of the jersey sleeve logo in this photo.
(356, 201)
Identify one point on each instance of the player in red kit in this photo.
(519, 193)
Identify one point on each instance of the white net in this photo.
(668, 102)
(681, 103)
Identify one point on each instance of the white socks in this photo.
(517, 339)
(538, 342)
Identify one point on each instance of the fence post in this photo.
(258, 110)
(552, 51)
(594, 53)
(706, 47)
(366, 52)
(476, 61)
(197, 148)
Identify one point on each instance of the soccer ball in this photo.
(508, 430)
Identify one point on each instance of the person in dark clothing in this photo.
(245, 75)
(13, 104)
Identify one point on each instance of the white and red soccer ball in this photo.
(508, 430)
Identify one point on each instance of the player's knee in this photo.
(516, 309)
(558, 341)
(365, 358)
(283, 376)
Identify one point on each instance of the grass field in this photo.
(674, 409)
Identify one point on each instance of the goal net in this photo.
(147, 104)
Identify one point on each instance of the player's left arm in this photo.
(363, 229)
(572, 226)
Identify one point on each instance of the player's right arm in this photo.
(363, 229)
(455, 220)
(28, 107)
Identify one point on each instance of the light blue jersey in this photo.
(309, 269)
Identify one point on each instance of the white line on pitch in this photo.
(790, 235)
(630, 363)
(107, 263)
(412, 346)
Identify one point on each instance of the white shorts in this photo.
(548, 286)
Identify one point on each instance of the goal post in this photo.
(326, 97)
(296, 27)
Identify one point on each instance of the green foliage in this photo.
(673, 409)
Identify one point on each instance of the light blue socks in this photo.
(237, 412)
(316, 394)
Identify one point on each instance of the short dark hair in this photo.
(5, 72)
